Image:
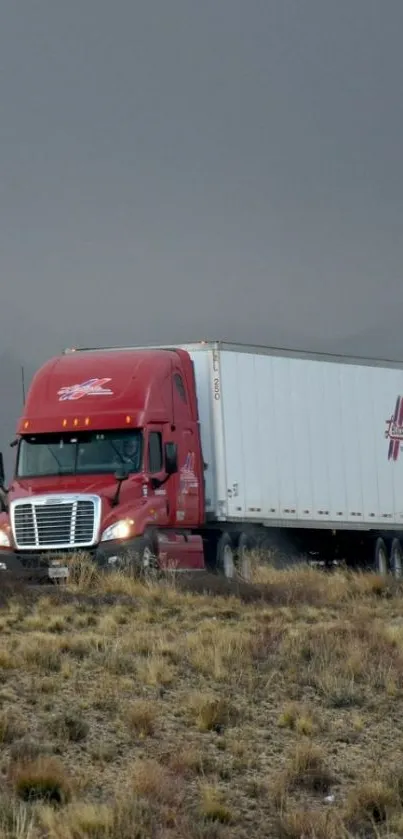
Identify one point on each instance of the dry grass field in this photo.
(182, 709)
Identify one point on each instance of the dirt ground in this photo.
(198, 709)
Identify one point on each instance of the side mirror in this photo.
(122, 473)
(171, 458)
(3, 490)
(2, 473)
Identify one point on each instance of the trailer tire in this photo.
(225, 563)
(381, 559)
(396, 559)
(243, 561)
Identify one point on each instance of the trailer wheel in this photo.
(225, 563)
(381, 560)
(243, 562)
(396, 559)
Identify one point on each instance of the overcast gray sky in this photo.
(179, 170)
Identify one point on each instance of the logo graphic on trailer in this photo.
(394, 430)
(92, 387)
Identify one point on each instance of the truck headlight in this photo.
(4, 539)
(118, 530)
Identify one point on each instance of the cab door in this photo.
(188, 488)
(155, 468)
(188, 484)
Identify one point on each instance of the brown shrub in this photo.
(370, 802)
(44, 778)
(69, 726)
(154, 782)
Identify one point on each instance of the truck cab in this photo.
(108, 462)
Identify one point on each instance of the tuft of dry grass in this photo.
(41, 651)
(299, 718)
(211, 713)
(77, 821)
(12, 726)
(213, 807)
(43, 779)
(126, 818)
(16, 819)
(155, 671)
(7, 660)
(83, 572)
(218, 651)
(140, 717)
(306, 769)
(310, 824)
(371, 802)
(191, 760)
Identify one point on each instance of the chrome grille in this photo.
(56, 521)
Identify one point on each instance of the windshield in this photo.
(82, 453)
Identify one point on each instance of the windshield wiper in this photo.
(112, 445)
(60, 468)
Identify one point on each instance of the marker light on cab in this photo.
(121, 529)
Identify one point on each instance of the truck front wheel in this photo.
(146, 559)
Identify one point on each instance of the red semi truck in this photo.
(190, 455)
